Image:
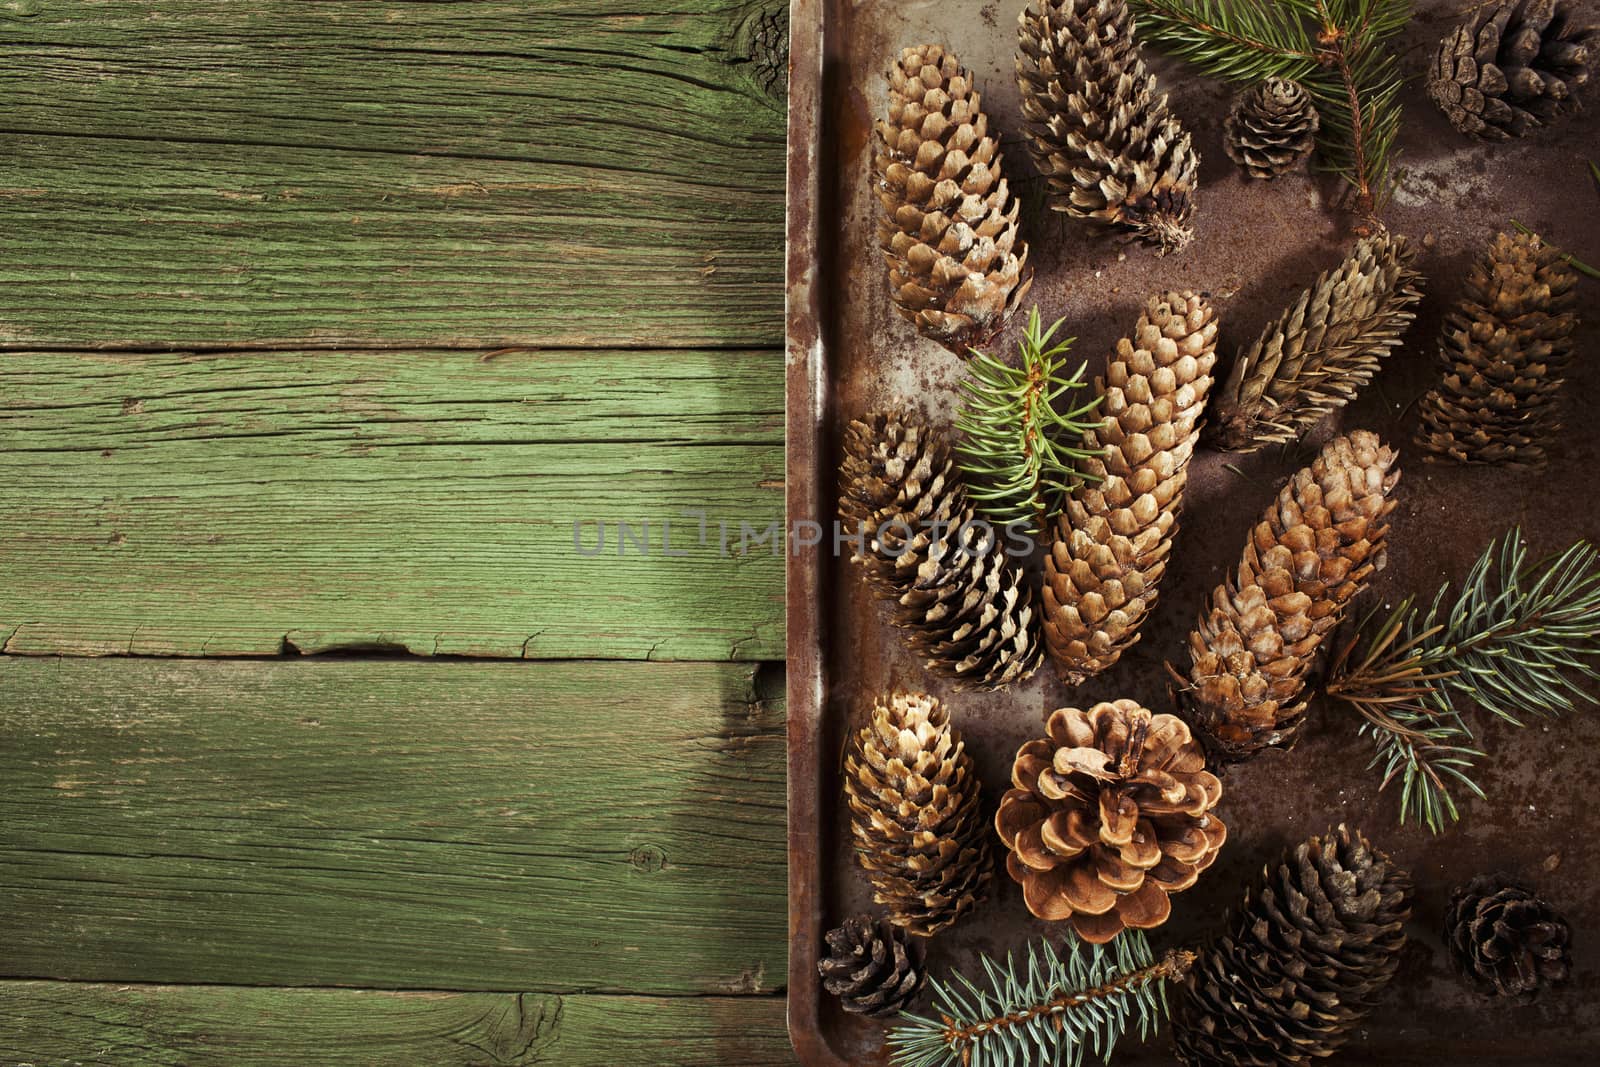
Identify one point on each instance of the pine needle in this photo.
(1567, 257)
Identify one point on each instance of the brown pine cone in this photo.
(1505, 940)
(949, 225)
(1112, 542)
(1271, 127)
(1111, 812)
(1310, 555)
(871, 967)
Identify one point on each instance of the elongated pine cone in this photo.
(949, 225)
(961, 599)
(1302, 961)
(1324, 348)
(1271, 127)
(1512, 67)
(1110, 814)
(1505, 349)
(915, 816)
(1312, 552)
(871, 967)
(1099, 129)
(1505, 940)
(1112, 541)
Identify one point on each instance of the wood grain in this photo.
(553, 827)
(409, 502)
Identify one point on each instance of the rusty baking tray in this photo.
(1257, 245)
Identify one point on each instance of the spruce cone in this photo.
(1511, 68)
(1098, 128)
(949, 226)
(1505, 350)
(1112, 542)
(1323, 350)
(919, 832)
(1302, 961)
(1505, 940)
(964, 602)
(1311, 553)
(1112, 811)
(1271, 127)
(871, 967)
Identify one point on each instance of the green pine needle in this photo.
(1018, 451)
(1567, 257)
(1051, 1011)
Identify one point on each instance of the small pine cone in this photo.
(1112, 542)
(1271, 128)
(1111, 812)
(1505, 940)
(963, 601)
(1505, 349)
(872, 967)
(915, 816)
(1302, 962)
(949, 225)
(1310, 555)
(1098, 127)
(1323, 349)
(1511, 68)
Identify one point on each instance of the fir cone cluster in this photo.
(1512, 67)
(1111, 812)
(1302, 961)
(1505, 351)
(1505, 940)
(1271, 127)
(1111, 543)
(871, 967)
(913, 798)
(1098, 128)
(963, 601)
(949, 225)
(1312, 552)
(1322, 350)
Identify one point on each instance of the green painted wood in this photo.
(411, 501)
(472, 174)
(77, 1024)
(553, 827)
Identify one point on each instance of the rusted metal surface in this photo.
(1257, 245)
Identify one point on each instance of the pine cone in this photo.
(1505, 940)
(871, 967)
(1112, 811)
(1112, 542)
(1505, 350)
(913, 797)
(1271, 127)
(964, 602)
(1097, 126)
(1323, 350)
(1511, 68)
(1312, 552)
(949, 226)
(1303, 960)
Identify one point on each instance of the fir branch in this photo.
(1049, 1013)
(1018, 450)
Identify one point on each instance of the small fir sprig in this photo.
(1514, 642)
(1567, 257)
(1018, 450)
(1335, 48)
(1051, 1011)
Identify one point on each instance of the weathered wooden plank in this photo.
(70, 1024)
(420, 502)
(554, 827)
(185, 174)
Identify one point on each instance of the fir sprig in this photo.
(1052, 1011)
(1514, 642)
(1335, 48)
(1018, 450)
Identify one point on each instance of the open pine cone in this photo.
(1505, 940)
(871, 967)
(1111, 812)
(1271, 127)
